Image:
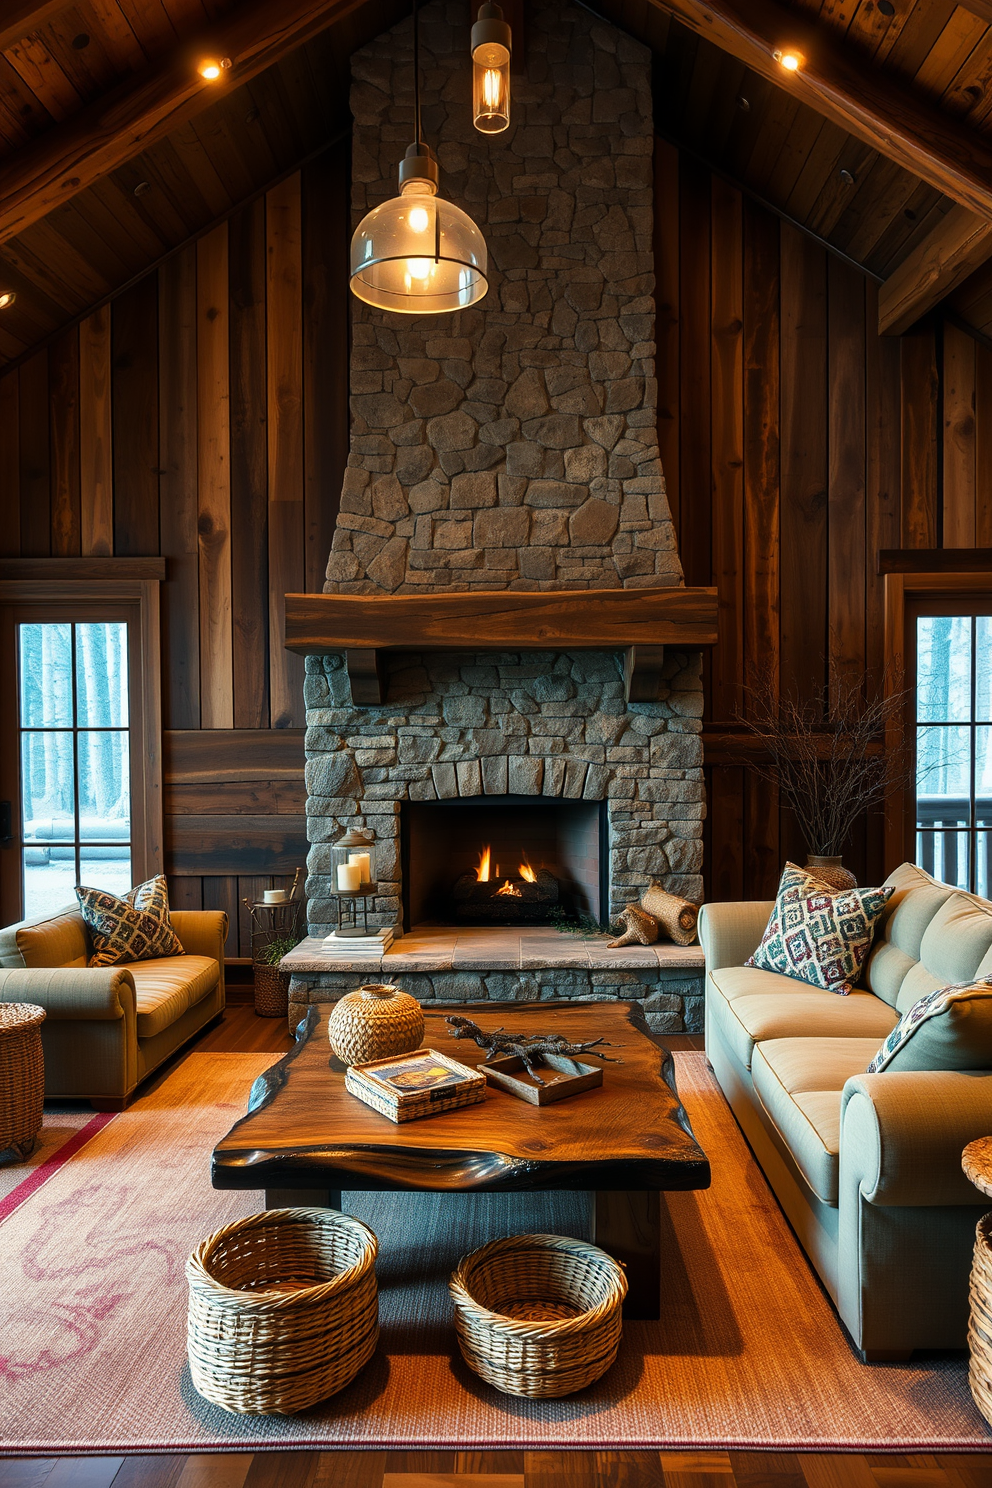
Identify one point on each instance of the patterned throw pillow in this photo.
(949, 1028)
(816, 935)
(135, 928)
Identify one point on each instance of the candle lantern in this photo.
(353, 874)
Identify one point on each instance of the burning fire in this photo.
(484, 873)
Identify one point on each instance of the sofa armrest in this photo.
(69, 993)
(202, 931)
(730, 933)
(902, 1134)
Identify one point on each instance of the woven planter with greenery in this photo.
(271, 992)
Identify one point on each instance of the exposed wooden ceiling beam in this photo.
(959, 243)
(852, 92)
(107, 133)
(18, 17)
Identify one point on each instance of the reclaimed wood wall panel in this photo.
(849, 443)
(96, 452)
(152, 430)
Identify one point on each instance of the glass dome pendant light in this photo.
(492, 46)
(417, 253)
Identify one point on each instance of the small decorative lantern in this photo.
(353, 872)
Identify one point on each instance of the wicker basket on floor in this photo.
(22, 1077)
(271, 992)
(980, 1326)
(283, 1309)
(538, 1315)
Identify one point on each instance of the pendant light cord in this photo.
(416, 70)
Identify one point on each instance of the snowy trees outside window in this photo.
(75, 785)
(953, 753)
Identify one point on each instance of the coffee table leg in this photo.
(302, 1198)
(626, 1226)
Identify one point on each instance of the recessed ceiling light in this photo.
(846, 176)
(744, 104)
(7, 298)
(81, 42)
(142, 187)
(789, 58)
(886, 7)
(211, 68)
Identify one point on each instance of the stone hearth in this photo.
(512, 446)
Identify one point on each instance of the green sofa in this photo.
(108, 1027)
(866, 1167)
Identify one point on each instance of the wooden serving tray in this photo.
(563, 1076)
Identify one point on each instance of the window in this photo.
(74, 752)
(80, 732)
(953, 741)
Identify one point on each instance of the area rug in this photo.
(748, 1352)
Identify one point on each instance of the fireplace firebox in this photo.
(503, 860)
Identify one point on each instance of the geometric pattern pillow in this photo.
(135, 928)
(816, 935)
(949, 1028)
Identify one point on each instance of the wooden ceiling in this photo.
(113, 151)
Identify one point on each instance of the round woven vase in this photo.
(375, 1022)
(832, 872)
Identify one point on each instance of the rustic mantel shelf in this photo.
(639, 622)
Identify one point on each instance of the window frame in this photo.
(137, 602)
(907, 596)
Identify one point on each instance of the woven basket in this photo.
(375, 1022)
(283, 1309)
(271, 992)
(538, 1315)
(22, 1077)
(980, 1326)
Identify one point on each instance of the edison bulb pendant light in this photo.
(491, 51)
(417, 253)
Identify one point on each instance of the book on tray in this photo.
(421, 1083)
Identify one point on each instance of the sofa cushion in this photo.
(753, 1005)
(167, 987)
(59, 939)
(799, 1083)
(948, 1029)
(135, 928)
(906, 960)
(816, 935)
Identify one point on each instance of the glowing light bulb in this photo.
(791, 61)
(210, 69)
(7, 299)
(492, 90)
(419, 268)
(419, 220)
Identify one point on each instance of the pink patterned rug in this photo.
(748, 1352)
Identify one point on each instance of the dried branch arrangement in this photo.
(828, 761)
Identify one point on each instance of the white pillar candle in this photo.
(349, 877)
(364, 861)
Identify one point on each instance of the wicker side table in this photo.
(22, 1078)
(976, 1160)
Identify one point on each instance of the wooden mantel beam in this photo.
(957, 245)
(637, 622)
(105, 134)
(852, 92)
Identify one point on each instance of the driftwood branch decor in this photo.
(530, 1048)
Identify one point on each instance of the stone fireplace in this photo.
(512, 446)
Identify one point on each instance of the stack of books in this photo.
(350, 946)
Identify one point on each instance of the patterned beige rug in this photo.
(748, 1352)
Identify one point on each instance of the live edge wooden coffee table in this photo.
(305, 1138)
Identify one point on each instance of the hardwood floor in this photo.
(240, 1031)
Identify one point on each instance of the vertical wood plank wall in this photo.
(796, 443)
(203, 416)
